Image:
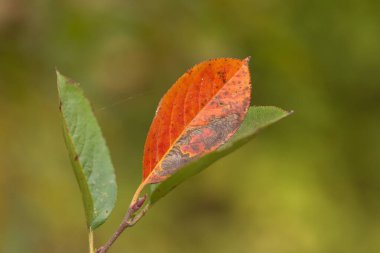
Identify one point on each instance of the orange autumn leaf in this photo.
(198, 114)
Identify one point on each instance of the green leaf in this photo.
(258, 117)
(88, 152)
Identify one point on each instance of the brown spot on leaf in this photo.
(198, 114)
(71, 81)
(222, 75)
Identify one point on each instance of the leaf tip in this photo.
(247, 59)
(57, 71)
(286, 112)
(58, 75)
(64, 80)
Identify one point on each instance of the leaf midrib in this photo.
(185, 128)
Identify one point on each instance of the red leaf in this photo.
(199, 113)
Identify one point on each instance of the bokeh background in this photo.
(310, 183)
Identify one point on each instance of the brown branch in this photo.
(128, 221)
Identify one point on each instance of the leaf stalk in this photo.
(91, 241)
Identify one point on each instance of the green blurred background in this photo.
(310, 183)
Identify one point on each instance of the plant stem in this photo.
(91, 241)
(128, 221)
(124, 224)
